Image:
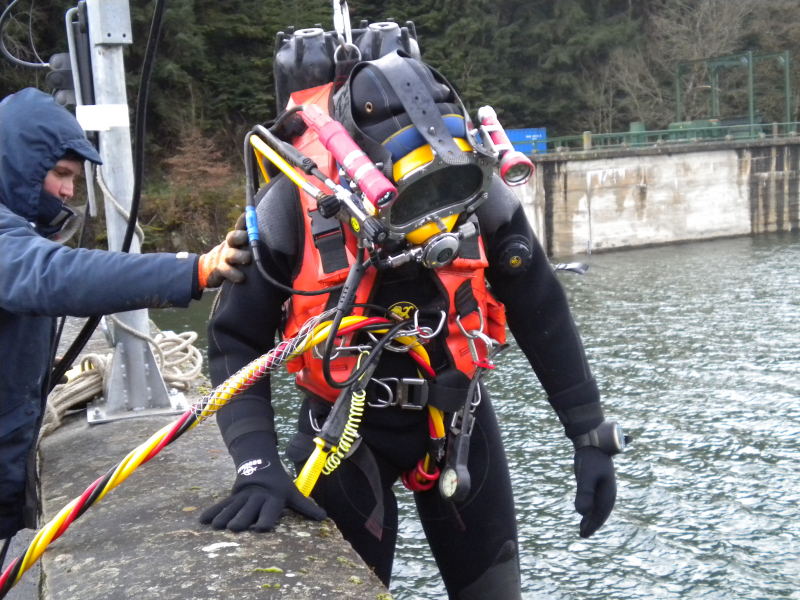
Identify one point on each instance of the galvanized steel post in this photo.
(135, 385)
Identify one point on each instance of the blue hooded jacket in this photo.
(41, 279)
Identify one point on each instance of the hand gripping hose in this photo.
(313, 332)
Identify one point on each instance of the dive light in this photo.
(379, 190)
(515, 167)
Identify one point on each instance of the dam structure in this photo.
(661, 192)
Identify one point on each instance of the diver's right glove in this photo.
(261, 491)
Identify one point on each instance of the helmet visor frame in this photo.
(430, 189)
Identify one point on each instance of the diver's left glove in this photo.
(219, 264)
(596, 441)
(261, 491)
(597, 488)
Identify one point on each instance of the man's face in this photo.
(60, 180)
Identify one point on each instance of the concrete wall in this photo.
(593, 201)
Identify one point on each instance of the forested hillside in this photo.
(568, 65)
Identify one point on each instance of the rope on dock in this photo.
(178, 360)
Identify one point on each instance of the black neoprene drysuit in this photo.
(474, 542)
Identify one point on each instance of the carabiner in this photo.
(424, 336)
(474, 333)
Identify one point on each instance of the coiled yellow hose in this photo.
(349, 434)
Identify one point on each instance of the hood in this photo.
(35, 133)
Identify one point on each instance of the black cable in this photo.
(63, 320)
(4, 551)
(343, 307)
(374, 354)
(141, 119)
(275, 125)
(374, 307)
(4, 50)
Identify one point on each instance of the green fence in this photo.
(687, 132)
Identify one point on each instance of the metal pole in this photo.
(787, 78)
(714, 72)
(678, 93)
(751, 105)
(135, 385)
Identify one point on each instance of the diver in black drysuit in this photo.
(474, 542)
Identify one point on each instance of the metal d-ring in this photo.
(389, 345)
(380, 403)
(345, 47)
(313, 420)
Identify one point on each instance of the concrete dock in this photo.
(143, 539)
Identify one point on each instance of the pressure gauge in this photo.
(448, 483)
(454, 483)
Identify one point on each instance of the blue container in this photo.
(524, 140)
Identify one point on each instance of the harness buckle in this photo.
(404, 399)
(401, 396)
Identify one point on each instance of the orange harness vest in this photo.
(314, 275)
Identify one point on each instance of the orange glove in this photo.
(218, 264)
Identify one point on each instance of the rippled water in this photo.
(697, 351)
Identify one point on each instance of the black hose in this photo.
(343, 307)
(141, 119)
(274, 126)
(4, 551)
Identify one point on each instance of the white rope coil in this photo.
(179, 362)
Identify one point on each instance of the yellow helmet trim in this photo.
(419, 158)
(421, 234)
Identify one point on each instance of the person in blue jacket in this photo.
(42, 148)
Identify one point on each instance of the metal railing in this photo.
(676, 135)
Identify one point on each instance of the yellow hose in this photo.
(308, 477)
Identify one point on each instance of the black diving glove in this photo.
(597, 488)
(596, 441)
(261, 491)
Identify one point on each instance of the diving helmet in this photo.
(410, 122)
